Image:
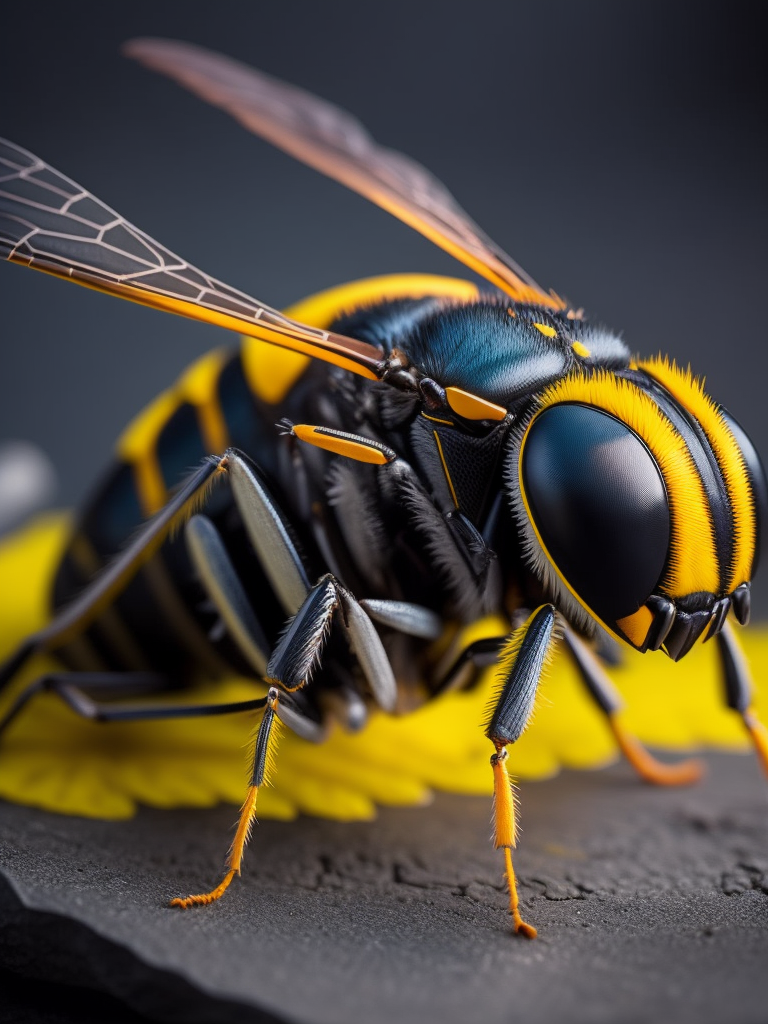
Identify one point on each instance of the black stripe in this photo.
(705, 461)
(114, 513)
(180, 446)
(238, 405)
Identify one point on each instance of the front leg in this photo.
(521, 664)
(296, 655)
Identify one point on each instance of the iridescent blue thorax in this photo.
(489, 347)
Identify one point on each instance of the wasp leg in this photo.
(79, 689)
(222, 584)
(467, 567)
(296, 655)
(738, 691)
(73, 619)
(300, 647)
(521, 664)
(268, 532)
(604, 694)
(405, 617)
(263, 751)
(369, 651)
(479, 654)
(340, 442)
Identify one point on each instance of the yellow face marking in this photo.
(345, 446)
(693, 564)
(689, 392)
(636, 626)
(546, 330)
(445, 469)
(581, 350)
(470, 407)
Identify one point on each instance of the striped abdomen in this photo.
(223, 399)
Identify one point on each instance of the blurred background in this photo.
(617, 151)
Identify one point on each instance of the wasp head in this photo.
(640, 502)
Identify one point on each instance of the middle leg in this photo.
(521, 664)
(296, 655)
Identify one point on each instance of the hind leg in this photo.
(603, 693)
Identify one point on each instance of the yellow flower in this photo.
(51, 758)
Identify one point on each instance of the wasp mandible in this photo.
(447, 453)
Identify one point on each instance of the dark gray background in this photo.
(617, 151)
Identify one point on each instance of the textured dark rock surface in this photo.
(651, 905)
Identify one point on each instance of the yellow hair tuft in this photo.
(689, 392)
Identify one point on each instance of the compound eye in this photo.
(599, 506)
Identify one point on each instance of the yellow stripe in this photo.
(199, 386)
(689, 392)
(321, 309)
(270, 372)
(445, 469)
(693, 564)
(137, 447)
(137, 444)
(435, 419)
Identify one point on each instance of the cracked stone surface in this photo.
(650, 904)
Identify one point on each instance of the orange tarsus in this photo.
(505, 834)
(684, 773)
(234, 860)
(521, 927)
(759, 736)
(205, 898)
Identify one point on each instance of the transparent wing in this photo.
(50, 223)
(334, 142)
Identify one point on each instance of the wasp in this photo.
(430, 454)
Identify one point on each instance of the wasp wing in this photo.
(50, 223)
(334, 142)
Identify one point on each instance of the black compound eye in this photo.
(598, 502)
